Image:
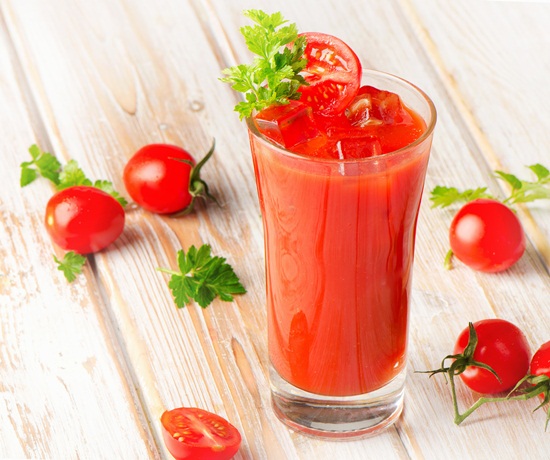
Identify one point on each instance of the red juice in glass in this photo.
(339, 212)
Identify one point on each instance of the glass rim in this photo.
(430, 125)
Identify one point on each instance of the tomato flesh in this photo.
(158, 180)
(83, 219)
(487, 236)
(333, 72)
(503, 347)
(192, 433)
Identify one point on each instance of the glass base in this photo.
(337, 417)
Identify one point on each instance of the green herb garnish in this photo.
(46, 165)
(273, 77)
(202, 277)
(445, 196)
(71, 265)
(42, 164)
(523, 191)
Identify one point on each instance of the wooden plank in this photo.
(493, 58)
(443, 302)
(215, 358)
(148, 73)
(64, 389)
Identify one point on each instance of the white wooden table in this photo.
(87, 368)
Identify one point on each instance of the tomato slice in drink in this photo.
(333, 72)
(192, 433)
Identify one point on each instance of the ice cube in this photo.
(288, 125)
(386, 106)
(358, 112)
(358, 147)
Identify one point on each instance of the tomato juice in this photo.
(339, 245)
(340, 154)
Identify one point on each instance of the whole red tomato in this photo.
(502, 346)
(195, 434)
(540, 363)
(487, 236)
(540, 376)
(83, 219)
(164, 178)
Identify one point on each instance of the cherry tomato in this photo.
(487, 236)
(191, 433)
(164, 178)
(502, 346)
(83, 219)
(540, 363)
(333, 72)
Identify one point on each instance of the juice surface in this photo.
(339, 250)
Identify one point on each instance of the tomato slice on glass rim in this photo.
(192, 433)
(333, 72)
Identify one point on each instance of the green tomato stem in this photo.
(168, 271)
(448, 263)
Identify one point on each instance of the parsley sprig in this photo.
(42, 164)
(62, 176)
(523, 191)
(274, 76)
(202, 277)
(442, 196)
(71, 265)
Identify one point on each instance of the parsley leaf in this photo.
(273, 77)
(69, 175)
(107, 187)
(72, 175)
(71, 265)
(43, 164)
(446, 196)
(524, 191)
(202, 277)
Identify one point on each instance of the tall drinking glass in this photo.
(339, 246)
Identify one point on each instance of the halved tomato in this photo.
(192, 433)
(333, 72)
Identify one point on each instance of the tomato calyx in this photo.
(535, 384)
(538, 385)
(198, 188)
(461, 362)
(528, 387)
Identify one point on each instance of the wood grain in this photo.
(86, 369)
